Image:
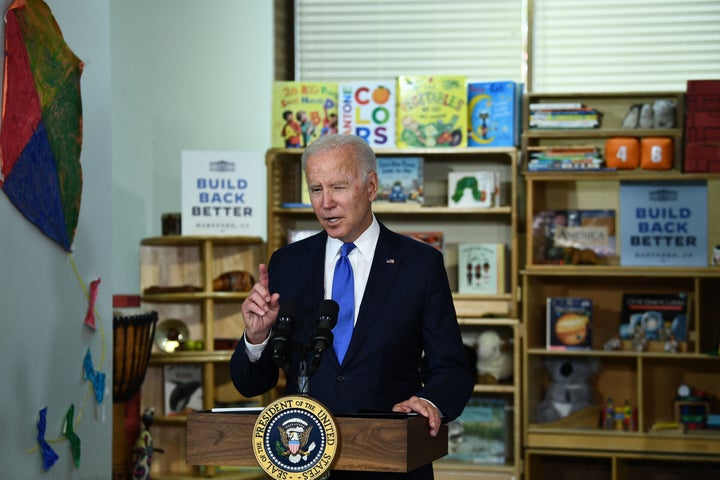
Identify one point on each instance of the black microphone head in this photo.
(328, 312)
(289, 310)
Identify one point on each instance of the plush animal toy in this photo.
(569, 389)
(494, 358)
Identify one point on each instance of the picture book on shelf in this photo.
(302, 111)
(368, 110)
(474, 189)
(431, 111)
(183, 390)
(574, 237)
(569, 323)
(494, 114)
(664, 224)
(480, 434)
(400, 180)
(481, 268)
(434, 239)
(658, 316)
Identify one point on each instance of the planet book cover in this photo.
(494, 114)
(368, 110)
(431, 111)
(400, 180)
(659, 316)
(569, 323)
(302, 112)
(481, 268)
(574, 237)
(480, 435)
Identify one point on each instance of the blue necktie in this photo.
(343, 292)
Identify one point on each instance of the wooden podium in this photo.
(377, 443)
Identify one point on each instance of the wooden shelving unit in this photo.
(475, 312)
(648, 380)
(194, 261)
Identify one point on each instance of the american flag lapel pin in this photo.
(390, 260)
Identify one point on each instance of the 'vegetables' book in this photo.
(431, 111)
(493, 114)
(474, 189)
(658, 316)
(481, 268)
(368, 110)
(569, 323)
(574, 237)
(400, 180)
(302, 111)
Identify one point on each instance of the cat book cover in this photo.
(659, 316)
(494, 114)
(368, 110)
(400, 180)
(474, 189)
(481, 268)
(569, 323)
(302, 111)
(431, 111)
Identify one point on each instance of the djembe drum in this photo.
(133, 334)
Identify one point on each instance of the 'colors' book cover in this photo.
(367, 109)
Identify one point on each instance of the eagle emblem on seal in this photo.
(294, 439)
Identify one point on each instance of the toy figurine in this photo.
(613, 344)
(671, 346)
(639, 340)
(143, 451)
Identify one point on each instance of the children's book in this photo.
(574, 237)
(657, 316)
(474, 189)
(302, 111)
(480, 434)
(569, 323)
(183, 388)
(400, 180)
(431, 111)
(481, 268)
(494, 114)
(368, 110)
(434, 239)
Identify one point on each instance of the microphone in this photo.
(282, 334)
(322, 337)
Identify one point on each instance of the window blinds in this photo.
(571, 45)
(374, 40)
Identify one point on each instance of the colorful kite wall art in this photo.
(41, 132)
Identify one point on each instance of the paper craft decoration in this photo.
(90, 315)
(41, 135)
(69, 433)
(48, 454)
(97, 378)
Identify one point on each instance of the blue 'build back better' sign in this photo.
(663, 224)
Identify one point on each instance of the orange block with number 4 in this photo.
(622, 153)
(656, 153)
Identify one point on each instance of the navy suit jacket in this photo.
(406, 339)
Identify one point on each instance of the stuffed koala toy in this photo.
(569, 389)
(494, 358)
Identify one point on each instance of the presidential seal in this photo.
(295, 437)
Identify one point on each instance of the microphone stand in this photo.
(303, 378)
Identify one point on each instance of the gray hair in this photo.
(350, 145)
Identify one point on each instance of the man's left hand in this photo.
(424, 408)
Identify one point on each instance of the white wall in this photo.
(186, 75)
(42, 304)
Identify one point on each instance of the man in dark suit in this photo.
(405, 351)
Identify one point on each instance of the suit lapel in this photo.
(386, 264)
